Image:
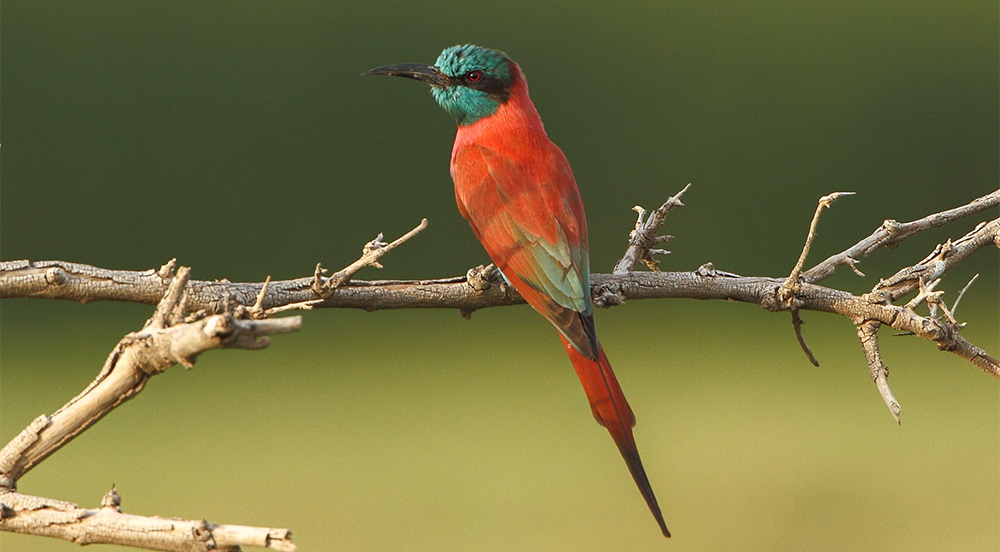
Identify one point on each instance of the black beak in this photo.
(426, 73)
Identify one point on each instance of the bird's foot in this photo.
(480, 278)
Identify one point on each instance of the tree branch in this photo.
(228, 314)
(166, 339)
(84, 283)
(643, 238)
(137, 357)
(62, 280)
(890, 233)
(20, 513)
(787, 291)
(868, 334)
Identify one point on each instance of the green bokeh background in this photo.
(240, 138)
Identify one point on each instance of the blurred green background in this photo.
(240, 138)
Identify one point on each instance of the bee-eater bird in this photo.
(517, 191)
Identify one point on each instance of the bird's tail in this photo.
(612, 411)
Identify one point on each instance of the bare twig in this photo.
(892, 232)
(643, 237)
(372, 252)
(788, 288)
(136, 358)
(257, 309)
(170, 308)
(108, 525)
(786, 293)
(954, 306)
(868, 334)
(797, 323)
(927, 293)
(940, 260)
(257, 312)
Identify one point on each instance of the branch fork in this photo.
(644, 236)
(167, 338)
(236, 315)
(371, 253)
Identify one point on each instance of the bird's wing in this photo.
(528, 215)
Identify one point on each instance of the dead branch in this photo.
(167, 338)
(890, 233)
(868, 334)
(643, 238)
(171, 336)
(787, 290)
(62, 280)
(164, 341)
(84, 283)
(231, 314)
(373, 250)
(108, 525)
(797, 323)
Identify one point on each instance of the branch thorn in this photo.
(797, 323)
(868, 334)
(112, 499)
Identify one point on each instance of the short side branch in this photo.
(824, 202)
(643, 238)
(943, 257)
(797, 323)
(868, 334)
(372, 252)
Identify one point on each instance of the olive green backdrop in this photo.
(240, 138)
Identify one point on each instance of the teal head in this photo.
(469, 82)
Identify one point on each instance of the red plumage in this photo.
(516, 189)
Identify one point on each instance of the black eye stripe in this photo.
(478, 79)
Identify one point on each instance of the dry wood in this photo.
(166, 339)
(108, 525)
(194, 316)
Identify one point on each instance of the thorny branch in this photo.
(891, 233)
(643, 238)
(170, 336)
(797, 323)
(373, 251)
(228, 314)
(167, 338)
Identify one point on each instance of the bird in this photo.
(516, 189)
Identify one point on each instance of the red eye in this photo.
(474, 76)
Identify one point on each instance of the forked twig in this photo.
(891, 232)
(165, 339)
(372, 252)
(643, 237)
